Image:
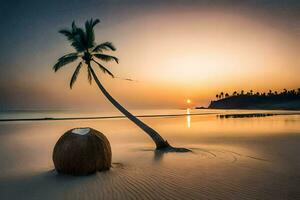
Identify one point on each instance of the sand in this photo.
(234, 158)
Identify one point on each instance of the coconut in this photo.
(82, 151)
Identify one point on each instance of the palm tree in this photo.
(293, 92)
(221, 95)
(226, 95)
(91, 54)
(270, 93)
(217, 96)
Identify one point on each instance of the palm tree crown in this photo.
(87, 50)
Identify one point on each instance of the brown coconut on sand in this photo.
(82, 151)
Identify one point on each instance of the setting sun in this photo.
(188, 101)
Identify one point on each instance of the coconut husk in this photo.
(82, 153)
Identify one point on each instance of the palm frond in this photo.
(89, 31)
(66, 33)
(78, 40)
(74, 27)
(75, 74)
(89, 75)
(106, 57)
(96, 21)
(104, 69)
(76, 36)
(64, 60)
(104, 46)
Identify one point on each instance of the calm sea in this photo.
(237, 154)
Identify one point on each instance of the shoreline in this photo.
(220, 115)
(103, 117)
(267, 109)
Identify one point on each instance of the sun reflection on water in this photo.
(188, 118)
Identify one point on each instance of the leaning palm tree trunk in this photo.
(159, 141)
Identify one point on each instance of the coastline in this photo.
(258, 112)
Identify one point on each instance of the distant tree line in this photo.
(284, 93)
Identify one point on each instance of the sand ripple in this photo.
(206, 173)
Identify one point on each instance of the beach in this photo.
(231, 158)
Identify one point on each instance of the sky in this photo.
(174, 50)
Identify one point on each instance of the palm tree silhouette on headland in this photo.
(221, 95)
(91, 53)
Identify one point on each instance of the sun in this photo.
(188, 101)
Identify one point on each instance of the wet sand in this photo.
(234, 158)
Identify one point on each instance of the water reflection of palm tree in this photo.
(158, 156)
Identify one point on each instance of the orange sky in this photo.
(174, 54)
